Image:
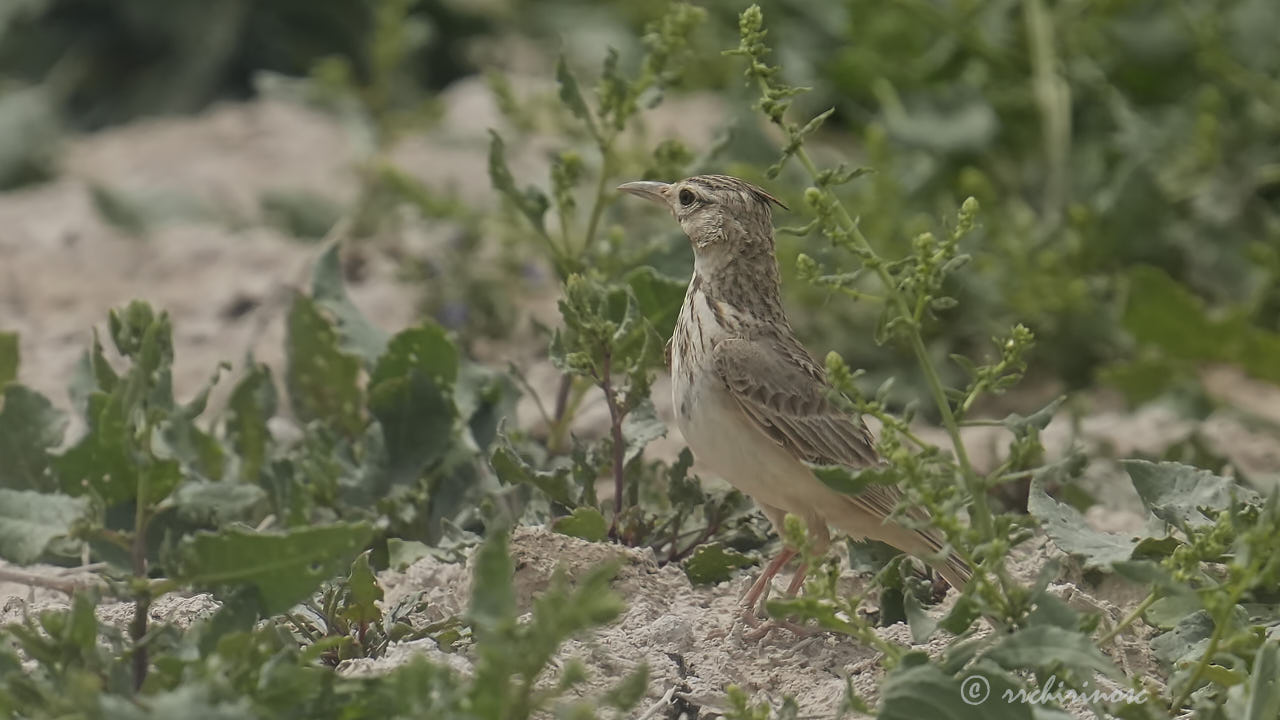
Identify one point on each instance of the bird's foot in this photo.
(763, 629)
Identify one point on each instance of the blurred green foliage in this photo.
(1097, 136)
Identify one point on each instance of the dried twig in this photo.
(51, 582)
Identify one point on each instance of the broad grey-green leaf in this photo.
(358, 335)
(29, 520)
(284, 567)
(571, 96)
(532, 202)
(640, 427)
(362, 592)
(512, 469)
(1185, 640)
(403, 553)
(585, 522)
(409, 393)
(100, 462)
(852, 481)
(1069, 531)
(921, 624)
(30, 426)
(925, 691)
(1046, 646)
(493, 598)
(251, 405)
(1176, 493)
(322, 378)
(1039, 420)
(189, 701)
(713, 563)
(659, 297)
(1259, 697)
(217, 503)
(300, 213)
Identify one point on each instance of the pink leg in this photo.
(757, 589)
(797, 580)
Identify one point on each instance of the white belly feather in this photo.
(723, 439)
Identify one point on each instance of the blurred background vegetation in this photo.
(1126, 153)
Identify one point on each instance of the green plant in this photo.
(1036, 632)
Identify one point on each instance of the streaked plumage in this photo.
(751, 402)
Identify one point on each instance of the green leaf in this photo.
(29, 520)
(1259, 697)
(1069, 531)
(409, 394)
(1017, 424)
(1165, 314)
(217, 503)
(9, 357)
(284, 568)
(1186, 641)
(532, 203)
(640, 427)
(493, 598)
(359, 336)
(301, 213)
(1175, 493)
(713, 563)
(251, 405)
(659, 296)
(571, 96)
(922, 626)
(403, 553)
(961, 615)
(585, 522)
(30, 426)
(322, 379)
(1047, 646)
(512, 469)
(363, 593)
(852, 481)
(912, 692)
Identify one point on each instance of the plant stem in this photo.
(562, 406)
(63, 585)
(597, 206)
(1128, 620)
(142, 602)
(615, 427)
(979, 512)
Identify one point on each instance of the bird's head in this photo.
(724, 217)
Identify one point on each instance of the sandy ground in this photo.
(223, 275)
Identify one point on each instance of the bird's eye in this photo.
(686, 198)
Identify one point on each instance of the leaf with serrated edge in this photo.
(30, 426)
(358, 335)
(585, 522)
(284, 568)
(29, 520)
(1176, 493)
(713, 563)
(1069, 531)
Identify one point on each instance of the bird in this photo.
(753, 405)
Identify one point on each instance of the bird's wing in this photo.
(783, 391)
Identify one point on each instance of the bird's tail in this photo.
(928, 545)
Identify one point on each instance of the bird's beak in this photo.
(647, 189)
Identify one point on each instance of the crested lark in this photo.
(750, 400)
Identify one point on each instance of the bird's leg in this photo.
(820, 537)
(797, 580)
(752, 598)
